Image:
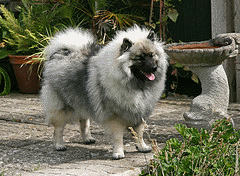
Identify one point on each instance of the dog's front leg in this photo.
(140, 144)
(58, 137)
(85, 131)
(115, 128)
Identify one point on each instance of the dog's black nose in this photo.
(154, 68)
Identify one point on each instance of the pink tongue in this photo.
(150, 76)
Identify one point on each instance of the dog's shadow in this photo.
(42, 152)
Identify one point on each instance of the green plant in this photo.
(4, 77)
(7, 83)
(203, 152)
(179, 71)
(18, 36)
(106, 21)
(23, 35)
(105, 16)
(2, 173)
(4, 50)
(166, 11)
(36, 21)
(28, 32)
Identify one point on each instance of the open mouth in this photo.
(144, 76)
(149, 76)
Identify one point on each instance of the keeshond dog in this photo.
(117, 85)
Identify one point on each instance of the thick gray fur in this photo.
(82, 81)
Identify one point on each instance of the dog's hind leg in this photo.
(140, 144)
(85, 131)
(115, 128)
(58, 120)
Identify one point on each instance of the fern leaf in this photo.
(10, 22)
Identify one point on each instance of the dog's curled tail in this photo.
(69, 40)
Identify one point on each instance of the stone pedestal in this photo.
(213, 102)
(219, 39)
(205, 60)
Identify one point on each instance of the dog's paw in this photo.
(89, 141)
(145, 149)
(117, 156)
(60, 147)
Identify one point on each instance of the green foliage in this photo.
(106, 22)
(107, 16)
(167, 12)
(4, 52)
(7, 83)
(54, 15)
(182, 71)
(28, 32)
(23, 36)
(2, 173)
(201, 152)
(37, 20)
(173, 15)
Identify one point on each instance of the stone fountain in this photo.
(205, 60)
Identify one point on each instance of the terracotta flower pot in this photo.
(25, 73)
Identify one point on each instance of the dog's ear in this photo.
(126, 45)
(151, 36)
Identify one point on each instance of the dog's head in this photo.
(144, 57)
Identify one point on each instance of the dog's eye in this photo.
(151, 54)
(140, 57)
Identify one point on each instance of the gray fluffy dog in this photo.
(117, 85)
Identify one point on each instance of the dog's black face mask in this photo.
(144, 65)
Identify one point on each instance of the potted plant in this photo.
(28, 34)
(23, 42)
(4, 77)
(29, 31)
(5, 83)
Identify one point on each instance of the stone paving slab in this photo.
(26, 141)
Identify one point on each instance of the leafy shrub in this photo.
(7, 83)
(201, 152)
